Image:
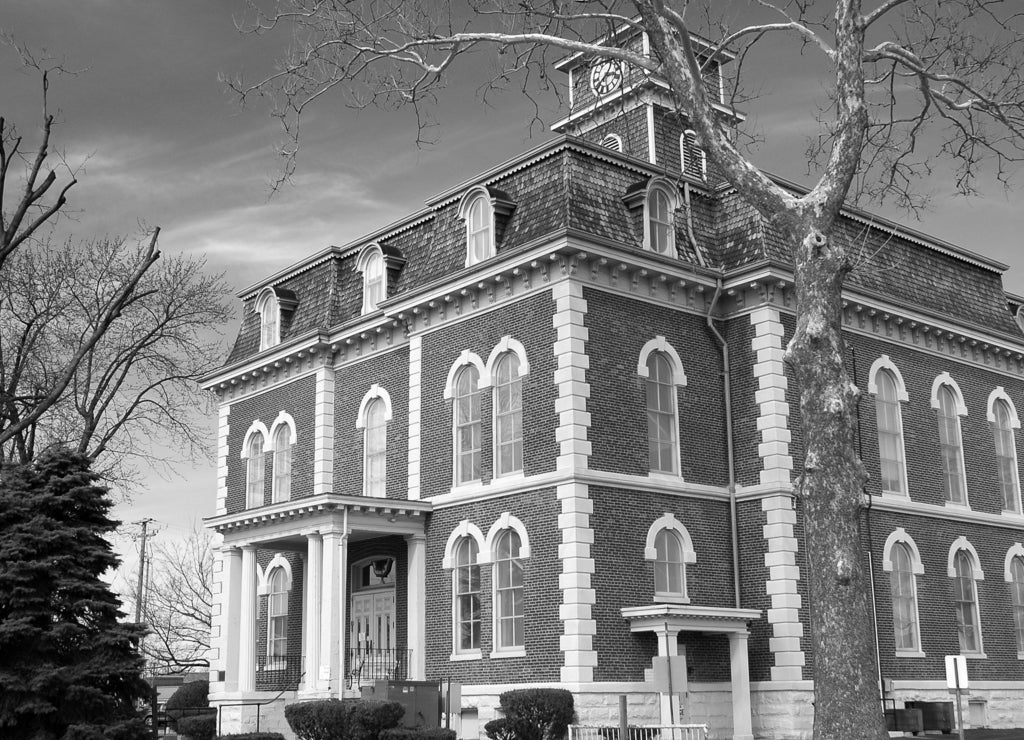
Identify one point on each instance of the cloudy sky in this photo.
(165, 144)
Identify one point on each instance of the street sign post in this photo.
(957, 683)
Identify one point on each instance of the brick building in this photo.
(541, 432)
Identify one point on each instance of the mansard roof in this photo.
(569, 187)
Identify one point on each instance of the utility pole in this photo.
(142, 570)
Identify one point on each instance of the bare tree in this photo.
(910, 83)
(178, 604)
(101, 342)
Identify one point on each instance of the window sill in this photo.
(974, 656)
(469, 655)
(662, 475)
(660, 598)
(514, 475)
(1011, 514)
(895, 495)
(910, 654)
(957, 506)
(511, 653)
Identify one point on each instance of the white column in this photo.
(668, 645)
(231, 611)
(314, 584)
(342, 585)
(330, 623)
(416, 611)
(739, 673)
(247, 627)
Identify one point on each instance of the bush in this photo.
(252, 736)
(351, 719)
(532, 714)
(184, 702)
(417, 733)
(198, 728)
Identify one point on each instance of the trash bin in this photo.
(936, 715)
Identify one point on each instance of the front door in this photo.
(373, 635)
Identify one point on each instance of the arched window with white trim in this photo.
(479, 218)
(1015, 579)
(277, 616)
(466, 422)
(965, 573)
(1002, 417)
(948, 403)
(254, 469)
(670, 549)
(270, 318)
(508, 415)
(371, 265)
(282, 484)
(662, 415)
(375, 449)
(509, 608)
(466, 591)
(902, 561)
(887, 385)
(659, 220)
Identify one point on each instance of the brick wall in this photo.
(527, 321)
(389, 370)
(617, 394)
(538, 510)
(297, 398)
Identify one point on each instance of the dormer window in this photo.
(613, 142)
(484, 211)
(693, 158)
(269, 304)
(371, 264)
(659, 220)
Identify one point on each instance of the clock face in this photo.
(605, 77)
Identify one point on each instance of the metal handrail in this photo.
(365, 665)
(639, 732)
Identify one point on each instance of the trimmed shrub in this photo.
(185, 701)
(532, 714)
(252, 736)
(417, 733)
(198, 728)
(350, 719)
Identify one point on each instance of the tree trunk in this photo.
(846, 693)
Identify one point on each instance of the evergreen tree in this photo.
(69, 669)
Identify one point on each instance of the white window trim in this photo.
(682, 154)
(263, 589)
(373, 394)
(884, 363)
(505, 344)
(465, 358)
(263, 578)
(465, 529)
(945, 379)
(661, 345)
(504, 522)
(265, 302)
(900, 536)
(615, 139)
(1000, 394)
(1016, 551)
(368, 252)
(962, 543)
(465, 205)
(283, 419)
(257, 427)
(668, 521)
(672, 193)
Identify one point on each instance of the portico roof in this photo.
(688, 618)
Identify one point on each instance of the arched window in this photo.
(508, 416)
(270, 318)
(890, 433)
(479, 230)
(466, 420)
(277, 615)
(1006, 454)
(254, 471)
(965, 599)
(508, 592)
(1017, 599)
(466, 587)
(660, 218)
(282, 485)
(695, 161)
(371, 264)
(669, 565)
(950, 445)
(662, 420)
(375, 448)
(904, 597)
(612, 141)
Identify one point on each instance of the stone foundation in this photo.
(782, 710)
(993, 704)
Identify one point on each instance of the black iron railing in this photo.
(364, 666)
(278, 672)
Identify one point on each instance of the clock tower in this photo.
(630, 111)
